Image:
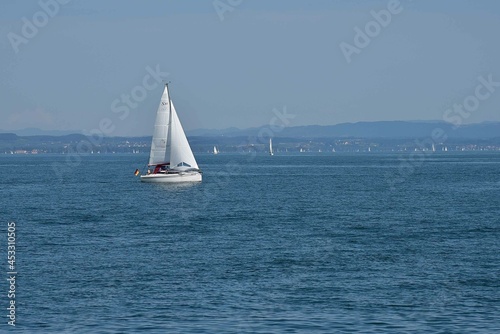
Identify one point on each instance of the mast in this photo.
(169, 136)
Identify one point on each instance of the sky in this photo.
(92, 64)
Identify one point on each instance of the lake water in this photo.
(303, 243)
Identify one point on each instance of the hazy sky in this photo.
(230, 62)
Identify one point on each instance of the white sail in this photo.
(181, 155)
(159, 152)
(171, 154)
(215, 150)
(271, 147)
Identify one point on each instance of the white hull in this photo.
(172, 178)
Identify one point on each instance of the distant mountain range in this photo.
(39, 132)
(349, 137)
(383, 129)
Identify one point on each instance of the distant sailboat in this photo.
(171, 157)
(433, 148)
(216, 151)
(271, 152)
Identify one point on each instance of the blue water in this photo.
(304, 243)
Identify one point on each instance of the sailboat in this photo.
(216, 151)
(171, 159)
(271, 147)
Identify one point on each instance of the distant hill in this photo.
(358, 137)
(7, 137)
(39, 132)
(385, 129)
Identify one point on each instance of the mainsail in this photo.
(159, 152)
